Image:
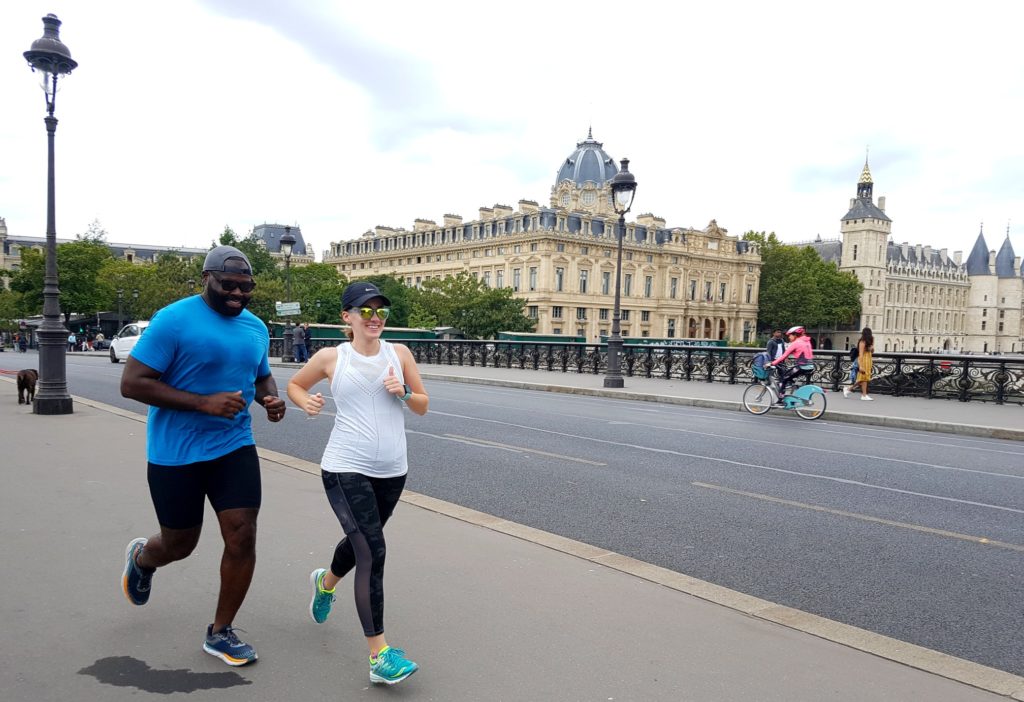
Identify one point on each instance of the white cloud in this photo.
(188, 116)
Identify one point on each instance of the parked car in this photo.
(124, 341)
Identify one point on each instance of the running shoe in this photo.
(136, 581)
(846, 391)
(320, 605)
(391, 666)
(226, 646)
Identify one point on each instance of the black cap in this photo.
(217, 260)
(358, 294)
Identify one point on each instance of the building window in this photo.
(650, 258)
(648, 285)
(984, 313)
(1000, 327)
(556, 312)
(533, 279)
(606, 281)
(645, 315)
(750, 291)
(584, 250)
(532, 311)
(500, 279)
(487, 278)
(488, 252)
(693, 289)
(533, 246)
(583, 280)
(516, 249)
(671, 328)
(581, 313)
(556, 330)
(673, 288)
(625, 315)
(983, 325)
(707, 291)
(629, 255)
(627, 284)
(516, 276)
(559, 279)
(560, 248)
(602, 314)
(721, 292)
(854, 252)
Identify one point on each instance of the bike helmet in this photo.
(797, 330)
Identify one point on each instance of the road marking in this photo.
(526, 450)
(816, 476)
(865, 517)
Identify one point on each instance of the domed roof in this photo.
(588, 162)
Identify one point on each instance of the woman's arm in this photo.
(318, 368)
(419, 401)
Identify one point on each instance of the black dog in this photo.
(27, 385)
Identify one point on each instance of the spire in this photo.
(865, 185)
(977, 262)
(1004, 259)
(865, 175)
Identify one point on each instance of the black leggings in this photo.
(788, 376)
(363, 505)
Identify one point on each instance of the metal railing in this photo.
(967, 378)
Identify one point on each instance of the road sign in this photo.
(287, 309)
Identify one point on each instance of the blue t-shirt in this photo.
(201, 351)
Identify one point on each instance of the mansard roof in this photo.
(271, 235)
(865, 209)
(1004, 260)
(977, 262)
(933, 258)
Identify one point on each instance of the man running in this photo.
(199, 365)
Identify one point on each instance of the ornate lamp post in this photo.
(120, 302)
(135, 300)
(287, 242)
(623, 189)
(191, 282)
(49, 56)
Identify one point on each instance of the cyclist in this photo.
(800, 349)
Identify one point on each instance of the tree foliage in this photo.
(78, 264)
(262, 261)
(466, 303)
(798, 287)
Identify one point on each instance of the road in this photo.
(917, 536)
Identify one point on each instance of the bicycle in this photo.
(808, 401)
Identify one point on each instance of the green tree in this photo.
(318, 283)
(466, 303)
(269, 291)
(400, 295)
(78, 263)
(798, 287)
(119, 274)
(10, 310)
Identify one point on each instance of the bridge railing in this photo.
(984, 378)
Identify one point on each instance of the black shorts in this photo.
(231, 482)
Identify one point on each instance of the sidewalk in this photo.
(980, 419)
(491, 610)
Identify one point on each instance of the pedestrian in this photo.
(776, 345)
(23, 344)
(199, 440)
(865, 348)
(72, 342)
(364, 464)
(299, 344)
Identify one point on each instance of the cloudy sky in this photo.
(187, 116)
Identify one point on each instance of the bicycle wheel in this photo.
(757, 399)
(813, 408)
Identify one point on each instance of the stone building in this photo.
(677, 282)
(270, 235)
(917, 298)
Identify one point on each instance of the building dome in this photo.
(588, 162)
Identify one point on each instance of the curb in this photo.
(972, 430)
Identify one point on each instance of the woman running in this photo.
(364, 463)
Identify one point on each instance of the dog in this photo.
(27, 385)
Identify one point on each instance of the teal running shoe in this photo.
(320, 605)
(391, 666)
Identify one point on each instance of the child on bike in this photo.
(803, 355)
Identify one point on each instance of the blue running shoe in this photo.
(226, 646)
(320, 605)
(391, 666)
(136, 581)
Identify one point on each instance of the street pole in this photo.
(623, 188)
(287, 242)
(50, 56)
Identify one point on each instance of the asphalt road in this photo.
(917, 536)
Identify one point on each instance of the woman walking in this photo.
(364, 463)
(865, 347)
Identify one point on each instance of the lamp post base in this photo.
(52, 405)
(614, 382)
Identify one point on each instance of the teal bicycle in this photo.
(808, 401)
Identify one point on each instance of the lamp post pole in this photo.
(50, 56)
(134, 307)
(120, 301)
(287, 242)
(623, 188)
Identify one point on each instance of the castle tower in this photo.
(981, 299)
(865, 231)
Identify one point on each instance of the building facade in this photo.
(270, 236)
(920, 299)
(677, 282)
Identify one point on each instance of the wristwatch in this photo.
(407, 395)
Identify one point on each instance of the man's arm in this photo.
(266, 395)
(142, 383)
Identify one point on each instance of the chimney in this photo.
(528, 206)
(944, 255)
(452, 220)
(421, 225)
(917, 252)
(928, 254)
(486, 213)
(852, 200)
(991, 260)
(881, 203)
(957, 257)
(905, 250)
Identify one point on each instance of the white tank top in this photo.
(369, 428)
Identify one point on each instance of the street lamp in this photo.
(49, 56)
(191, 282)
(623, 189)
(287, 242)
(120, 301)
(135, 300)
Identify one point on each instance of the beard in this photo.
(220, 303)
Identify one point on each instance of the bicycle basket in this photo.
(759, 367)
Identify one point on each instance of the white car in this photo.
(124, 341)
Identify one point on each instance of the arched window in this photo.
(707, 328)
(721, 329)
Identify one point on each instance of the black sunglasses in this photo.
(245, 286)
